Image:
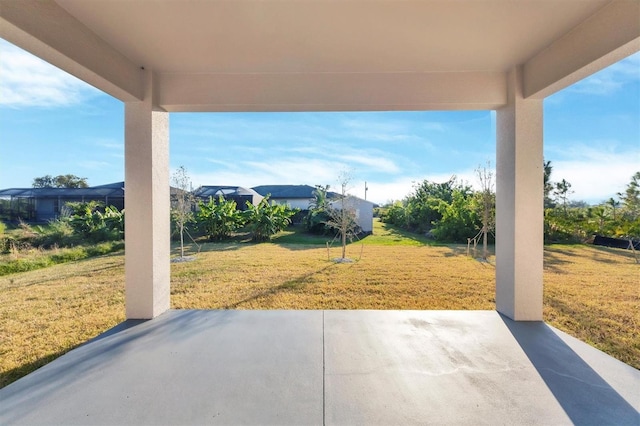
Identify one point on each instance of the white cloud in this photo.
(383, 192)
(110, 144)
(597, 177)
(380, 164)
(294, 171)
(27, 81)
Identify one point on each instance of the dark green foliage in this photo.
(266, 219)
(459, 217)
(316, 222)
(60, 256)
(318, 215)
(577, 222)
(218, 219)
(57, 233)
(93, 222)
(60, 181)
(631, 198)
(448, 211)
(451, 212)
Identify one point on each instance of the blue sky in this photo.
(52, 123)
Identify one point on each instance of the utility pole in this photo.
(366, 188)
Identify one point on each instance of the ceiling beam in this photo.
(608, 36)
(332, 91)
(49, 32)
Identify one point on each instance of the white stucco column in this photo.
(147, 227)
(519, 204)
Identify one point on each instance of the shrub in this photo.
(69, 255)
(266, 219)
(95, 223)
(218, 219)
(23, 265)
(42, 260)
(58, 232)
(316, 222)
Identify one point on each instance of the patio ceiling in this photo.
(315, 55)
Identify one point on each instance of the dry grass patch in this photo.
(48, 312)
(270, 276)
(593, 293)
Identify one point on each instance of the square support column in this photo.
(519, 204)
(147, 224)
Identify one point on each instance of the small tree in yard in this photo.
(343, 217)
(487, 203)
(181, 210)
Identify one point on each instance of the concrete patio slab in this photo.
(454, 367)
(184, 367)
(328, 367)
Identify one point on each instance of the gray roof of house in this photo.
(215, 191)
(288, 191)
(110, 190)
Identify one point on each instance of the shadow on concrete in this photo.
(102, 352)
(582, 393)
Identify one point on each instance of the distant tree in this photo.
(611, 202)
(548, 185)
(70, 181)
(182, 206)
(562, 190)
(60, 181)
(423, 208)
(459, 218)
(631, 197)
(46, 181)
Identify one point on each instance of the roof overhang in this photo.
(324, 55)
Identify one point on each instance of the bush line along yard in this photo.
(590, 292)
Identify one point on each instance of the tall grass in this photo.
(22, 261)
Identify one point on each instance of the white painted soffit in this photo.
(316, 55)
(603, 39)
(49, 32)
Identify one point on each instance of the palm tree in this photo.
(614, 205)
(320, 198)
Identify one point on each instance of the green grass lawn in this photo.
(590, 292)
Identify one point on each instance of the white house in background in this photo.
(295, 196)
(363, 210)
(301, 196)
